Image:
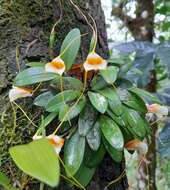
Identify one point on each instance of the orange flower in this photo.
(55, 66)
(94, 62)
(17, 92)
(54, 140)
(140, 146)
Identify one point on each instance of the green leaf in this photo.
(115, 154)
(98, 83)
(35, 64)
(39, 160)
(144, 94)
(69, 83)
(43, 99)
(110, 74)
(86, 120)
(73, 153)
(111, 132)
(75, 109)
(114, 100)
(84, 175)
(70, 47)
(98, 101)
(94, 137)
(94, 158)
(56, 102)
(135, 121)
(32, 76)
(136, 102)
(117, 119)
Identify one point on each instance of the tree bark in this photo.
(24, 38)
(142, 28)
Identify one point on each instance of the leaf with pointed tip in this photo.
(98, 101)
(69, 83)
(70, 47)
(144, 94)
(39, 160)
(135, 121)
(32, 76)
(110, 74)
(136, 102)
(43, 99)
(73, 153)
(55, 104)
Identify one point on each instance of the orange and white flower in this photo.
(138, 145)
(158, 110)
(94, 62)
(17, 92)
(55, 66)
(54, 140)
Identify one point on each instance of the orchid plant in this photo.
(95, 111)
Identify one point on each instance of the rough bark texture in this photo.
(142, 28)
(25, 27)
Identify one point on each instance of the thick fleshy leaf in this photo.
(94, 158)
(39, 160)
(116, 118)
(98, 101)
(94, 137)
(69, 83)
(135, 121)
(86, 120)
(84, 175)
(136, 102)
(111, 132)
(56, 102)
(73, 153)
(70, 47)
(67, 112)
(32, 76)
(115, 154)
(144, 94)
(110, 74)
(114, 100)
(43, 99)
(98, 83)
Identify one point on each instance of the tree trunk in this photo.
(142, 28)
(25, 30)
